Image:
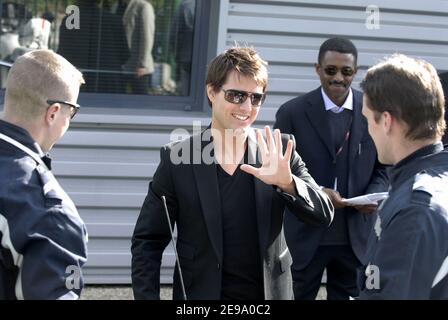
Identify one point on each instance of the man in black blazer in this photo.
(226, 190)
(333, 141)
(444, 81)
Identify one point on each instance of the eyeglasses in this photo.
(74, 107)
(239, 96)
(346, 71)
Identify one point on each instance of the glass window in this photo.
(123, 47)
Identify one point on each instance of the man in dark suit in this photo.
(226, 199)
(444, 81)
(333, 141)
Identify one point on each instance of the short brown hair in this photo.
(411, 91)
(244, 60)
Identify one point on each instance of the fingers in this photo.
(251, 170)
(335, 198)
(270, 139)
(262, 145)
(368, 208)
(278, 142)
(289, 150)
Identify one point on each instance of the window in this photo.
(133, 53)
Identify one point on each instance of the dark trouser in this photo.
(341, 264)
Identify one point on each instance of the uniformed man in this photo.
(43, 239)
(408, 249)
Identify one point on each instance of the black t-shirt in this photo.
(242, 276)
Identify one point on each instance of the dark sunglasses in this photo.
(346, 71)
(74, 107)
(239, 96)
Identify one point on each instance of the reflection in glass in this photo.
(121, 46)
(182, 41)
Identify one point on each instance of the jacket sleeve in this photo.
(151, 233)
(47, 242)
(53, 260)
(403, 261)
(312, 205)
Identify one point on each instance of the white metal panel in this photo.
(288, 35)
(106, 171)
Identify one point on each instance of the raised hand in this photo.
(275, 169)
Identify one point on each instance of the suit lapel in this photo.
(263, 195)
(208, 189)
(357, 129)
(317, 115)
(356, 133)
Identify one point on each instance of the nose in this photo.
(338, 76)
(246, 104)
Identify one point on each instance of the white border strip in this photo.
(443, 271)
(17, 258)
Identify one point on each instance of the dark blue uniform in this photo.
(43, 239)
(408, 248)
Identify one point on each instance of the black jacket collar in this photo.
(21, 135)
(414, 163)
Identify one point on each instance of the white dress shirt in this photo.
(329, 105)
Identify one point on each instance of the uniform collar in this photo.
(412, 164)
(22, 135)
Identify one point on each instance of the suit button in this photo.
(219, 266)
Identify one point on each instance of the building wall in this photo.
(105, 163)
(289, 33)
(107, 159)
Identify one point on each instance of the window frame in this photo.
(193, 102)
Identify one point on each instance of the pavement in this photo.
(124, 292)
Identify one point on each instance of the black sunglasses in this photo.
(346, 71)
(239, 96)
(74, 107)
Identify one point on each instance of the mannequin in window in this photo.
(139, 28)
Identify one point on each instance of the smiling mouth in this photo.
(240, 117)
(338, 85)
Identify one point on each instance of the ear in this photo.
(387, 122)
(52, 113)
(317, 67)
(211, 94)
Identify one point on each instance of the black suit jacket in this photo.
(305, 117)
(444, 80)
(192, 194)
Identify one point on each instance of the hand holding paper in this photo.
(335, 198)
(371, 198)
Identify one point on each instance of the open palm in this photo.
(275, 169)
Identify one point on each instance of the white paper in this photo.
(371, 198)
